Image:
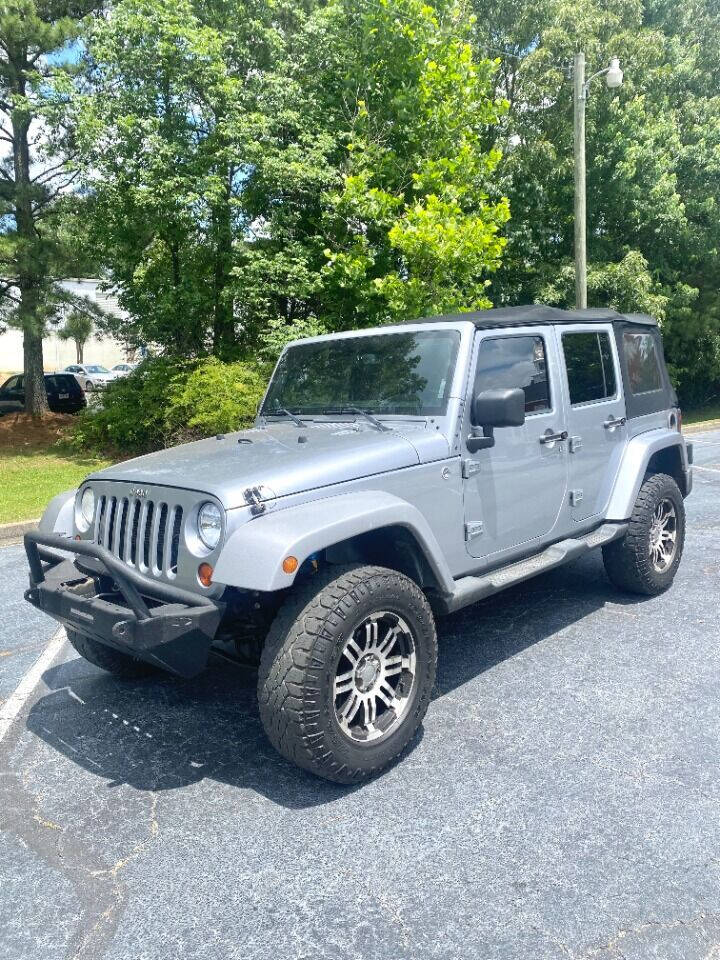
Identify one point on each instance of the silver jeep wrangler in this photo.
(392, 475)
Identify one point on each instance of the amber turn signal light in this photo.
(290, 564)
(205, 572)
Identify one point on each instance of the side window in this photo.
(11, 384)
(515, 362)
(590, 367)
(642, 362)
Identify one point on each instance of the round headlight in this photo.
(87, 510)
(209, 524)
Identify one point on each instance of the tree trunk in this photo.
(30, 270)
(36, 402)
(224, 345)
(79, 346)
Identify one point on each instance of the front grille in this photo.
(143, 533)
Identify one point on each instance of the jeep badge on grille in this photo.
(138, 492)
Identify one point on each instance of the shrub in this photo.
(167, 401)
(215, 398)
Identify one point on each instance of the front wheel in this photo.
(347, 670)
(646, 559)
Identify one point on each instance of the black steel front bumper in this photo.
(98, 595)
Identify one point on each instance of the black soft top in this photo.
(537, 314)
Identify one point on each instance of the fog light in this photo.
(290, 564)
(205, 572)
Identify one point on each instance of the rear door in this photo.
(596, 415)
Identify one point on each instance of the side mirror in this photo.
(495, 408)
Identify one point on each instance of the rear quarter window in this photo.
(643, 364)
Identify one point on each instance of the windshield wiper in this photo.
(369, 417)
(286, 413)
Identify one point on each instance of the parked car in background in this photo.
(65, 395)
(123, 369)
(91, 376)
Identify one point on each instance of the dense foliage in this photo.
(261, 165)
(653, 150)
(167, 401)
(256, 170)
(35, 169)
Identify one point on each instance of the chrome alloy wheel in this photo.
(663, 536)
(375, 677)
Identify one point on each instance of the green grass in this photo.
(30, 478)
(706, 414)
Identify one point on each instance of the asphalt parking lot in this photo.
(561, 800)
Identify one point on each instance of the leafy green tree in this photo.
(385, 210)
(180, 99)
(78, 327)
(35, 170)
(653, 172)
(244, 183)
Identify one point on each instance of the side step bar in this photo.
(470, 589)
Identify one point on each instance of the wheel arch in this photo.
(367, 527)
(58, 514)
(668, 460)
(657, 451)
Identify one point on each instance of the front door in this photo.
(12, 396)
(515, 491)
(596, 417)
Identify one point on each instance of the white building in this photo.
(58, 353)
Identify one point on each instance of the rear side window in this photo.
(642, 363)
(12, 384)
(507, 362)
(590, 367)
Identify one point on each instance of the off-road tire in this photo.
(88, 386)
(627, 560)
(115, 662)
(297, 669)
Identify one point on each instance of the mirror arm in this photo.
(475, 442)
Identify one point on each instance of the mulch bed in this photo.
(22, 430)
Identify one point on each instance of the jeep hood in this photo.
(281, 457)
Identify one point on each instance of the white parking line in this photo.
(17, 700)
(696, 466)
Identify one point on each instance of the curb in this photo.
(13, 532)
(701, 426)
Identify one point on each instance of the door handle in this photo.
(550, 437)
(614, 422)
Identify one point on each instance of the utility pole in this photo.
(581, 88)
(579, 99)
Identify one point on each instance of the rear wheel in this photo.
(108, 658)
(347, 671)
(88, 385)
(646, 559)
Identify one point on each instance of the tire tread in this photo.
(294, 658)
(627, 561)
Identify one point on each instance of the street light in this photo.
(581, 90)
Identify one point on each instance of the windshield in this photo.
(95, 368)
(400, 373)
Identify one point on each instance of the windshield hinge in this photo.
(473, 529)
